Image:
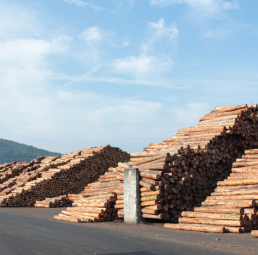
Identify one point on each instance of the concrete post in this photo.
(132, 201)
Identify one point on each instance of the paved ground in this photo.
(33, 231)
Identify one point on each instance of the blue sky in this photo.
(77, 73)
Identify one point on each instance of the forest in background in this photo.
(12, 151)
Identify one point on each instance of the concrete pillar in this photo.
(132, 201)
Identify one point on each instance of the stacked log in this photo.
(254, 233)
(51, 177)
(233, 203)
(179, 173)
(196, 158)
(61, 201)
(97, 202)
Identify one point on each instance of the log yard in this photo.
(202, 179)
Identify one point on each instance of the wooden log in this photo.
(234, 229)
(151, 193)
(67, 218)
(150, 175)
(236, 192)
(100, 205)
(219, 216)
(157, 197)
(196, 227)
(79, 216)
(86, 209)
(254, 233)
(147, 185)
(119, 202)
(157, 207)
(153, 182)
(149, 203)
(150, 159)
(156, 188)
(232, 197)
(214, 209)
(120, 206)
(250, 211)
(151, 216)
(231, 203)
(238, 182)
(84, 214)
(149, 211)
(232, 223)
(236, 188)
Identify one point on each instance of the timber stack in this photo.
(189, 165)
(97, 202)
(232, 207)
(55, 176)
(61, 201)
(104, 199)
(179, 173)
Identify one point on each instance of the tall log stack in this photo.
(52, 177)
(179, 173)
(232, 206)
(195, 159)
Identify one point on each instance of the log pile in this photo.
(179, 173)
(195, 159)
(61, 201)
(233, 205)
(55, 176)
(96, 202)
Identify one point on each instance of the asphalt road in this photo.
(33, 231)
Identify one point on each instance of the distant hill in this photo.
(12, 151)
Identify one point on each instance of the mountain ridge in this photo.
(13, 151)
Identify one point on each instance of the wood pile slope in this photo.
(52, 177)
(195, 159)
(233, 204)
(179, 173)
(96, 202)
(101, 200)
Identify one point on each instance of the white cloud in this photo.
(143, 66)
(161, 31)
(84, 4)
(146, 66)
(206, 7)
(91, 35)
(88, 4)
(129, 3)
(90, 79)
(24, 87)
(25, 53)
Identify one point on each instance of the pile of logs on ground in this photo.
(192, 162)
(96, 202)
(179, 173)
(55, 176)
(61, 201)
(232, 207)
